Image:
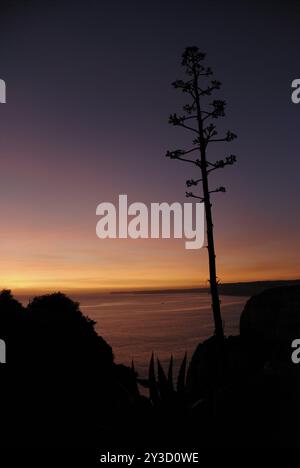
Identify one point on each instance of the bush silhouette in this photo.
(62, 334)
(11, 312)
(64, 382)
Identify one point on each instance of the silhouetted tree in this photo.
(67, 389)
(11, 310)
(205, 134)
(62, 333)
(12, 324)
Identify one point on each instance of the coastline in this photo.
(227, 289)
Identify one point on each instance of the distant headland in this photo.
(226, 289)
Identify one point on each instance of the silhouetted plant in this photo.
(161, 386)
(12, 325)
(11, 310)
(205, 134)
(63, 333)
(72, 391)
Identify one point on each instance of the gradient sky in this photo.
(88, 99)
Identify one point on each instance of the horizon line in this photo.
(132, 290)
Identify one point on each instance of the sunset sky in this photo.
(86, 119)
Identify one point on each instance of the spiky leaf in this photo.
(170, 374)
(181, 376)
(153, 390)
(163, 385)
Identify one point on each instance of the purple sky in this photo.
(88, 99)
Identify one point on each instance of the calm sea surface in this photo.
(135, 325)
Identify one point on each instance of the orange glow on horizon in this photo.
(72, 258)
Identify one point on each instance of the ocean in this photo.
(135, 325)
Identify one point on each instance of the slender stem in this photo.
(209, 223)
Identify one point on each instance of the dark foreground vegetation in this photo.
(61, 387)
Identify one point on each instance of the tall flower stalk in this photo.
(198, 117)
